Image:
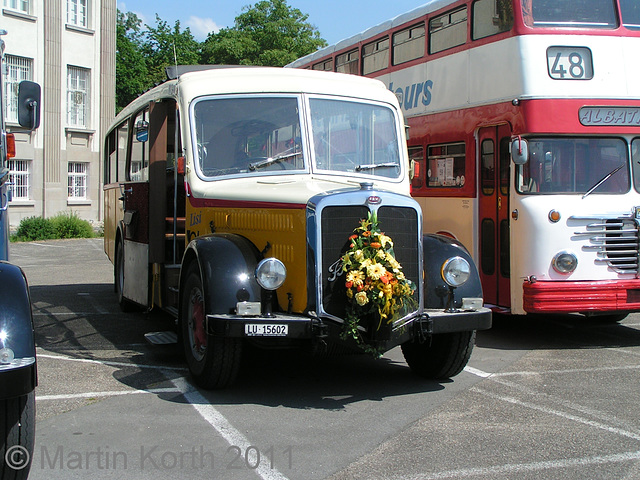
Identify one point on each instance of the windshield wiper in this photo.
(268, 161)
(371, 166)
(603, 179)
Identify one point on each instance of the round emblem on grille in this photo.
(374, 200)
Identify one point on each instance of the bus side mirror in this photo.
(29, 104)
(519, 151)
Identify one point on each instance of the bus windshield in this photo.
(354, 137)
(244, 135)
(575, 166)
(570, 13)
(255, 134)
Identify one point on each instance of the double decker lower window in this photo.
(575, 166)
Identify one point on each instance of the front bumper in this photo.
(300, 327)
(581, 297)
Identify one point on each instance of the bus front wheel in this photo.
(213, 361)
(444, 357)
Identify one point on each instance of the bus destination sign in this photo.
(610, 116)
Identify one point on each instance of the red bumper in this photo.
(570, 297)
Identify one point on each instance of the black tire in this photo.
(444, 357)
(213, 361)
(118, 281)
(18, 425)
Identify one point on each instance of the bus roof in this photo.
(428, 7)
(239, 80)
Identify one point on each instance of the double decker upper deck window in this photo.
(570, 13)
(408, 44)
(448, 30)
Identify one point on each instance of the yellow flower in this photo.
(392, 261)
(384, 240)
(356, 277)
(366, 263)
(375, 271)
(361, 298)
(358, 255)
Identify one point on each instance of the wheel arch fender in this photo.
(17, 330)
(226, 265)
(436, 250)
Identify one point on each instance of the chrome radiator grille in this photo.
(338, 223)
(616, 242)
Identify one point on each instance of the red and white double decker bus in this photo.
(524, 121)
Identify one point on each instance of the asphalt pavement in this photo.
(541, 398)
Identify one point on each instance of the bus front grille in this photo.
(339, 222)
(615, 241)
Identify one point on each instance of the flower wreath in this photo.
(375, 284)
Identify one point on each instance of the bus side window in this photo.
(491, 17)
(122, 137)
(139, 166)
(416, 163)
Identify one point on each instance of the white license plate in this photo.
(266, 330)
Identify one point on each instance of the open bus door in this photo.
(493, 191)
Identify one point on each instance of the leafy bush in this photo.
(63, 225)
(34, 228)
(68, 225)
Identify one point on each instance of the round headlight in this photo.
(6, 356)
(271, 273)
(564, 262)
(456, 271)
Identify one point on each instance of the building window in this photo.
(20, 177)
(77, 13)
(77, 181)
(78, 97)
(18, 69)
(19, 5)
(448, 30)
(408, 44)
(348, 62)
(375, 56)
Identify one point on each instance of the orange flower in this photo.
(348, 284)
(366, 233)
(375, 245)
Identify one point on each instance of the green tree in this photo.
(165, 46)
(131, 65)
(268, 33)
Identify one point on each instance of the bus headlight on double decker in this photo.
(271, 273)
(564, 262)
(455, 271)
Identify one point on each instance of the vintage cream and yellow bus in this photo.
(272, 206)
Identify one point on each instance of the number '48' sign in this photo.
(569, 63)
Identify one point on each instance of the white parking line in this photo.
(115, 393)
(110, 363)
(233, 436)
(559, 413)
(526, 467)
(524, 373)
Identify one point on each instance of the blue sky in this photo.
(334, 19)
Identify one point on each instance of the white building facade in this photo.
(68, 47)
